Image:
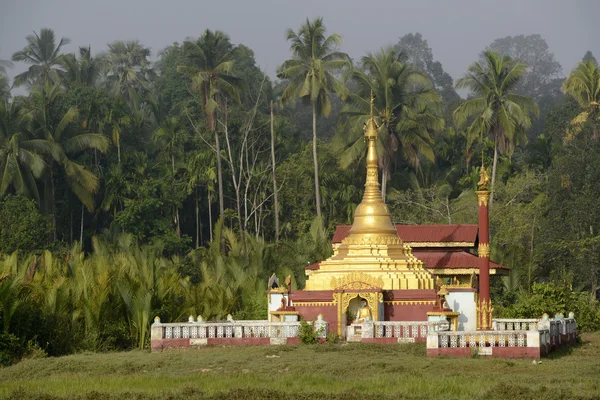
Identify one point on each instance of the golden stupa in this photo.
(372, 246)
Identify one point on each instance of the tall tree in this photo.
(128, 69)
(495, 110)
(209, 64)
(588, 56)
(413, 49)
(4, 82)
(406, 104)
(83, 70)
(274, 173)
(20, 161)
(171, 134)
(542, 68)
(311, 74)
(43, 54)
(48, 120)
(584, 85)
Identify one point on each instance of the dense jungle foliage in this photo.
(131, 188)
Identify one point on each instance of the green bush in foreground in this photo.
(552, 298)
(11, 349)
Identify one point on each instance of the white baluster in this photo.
(453, 341)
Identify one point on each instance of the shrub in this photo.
(22, 227)
(11, 349)
(333, 338)
(307, 333)
(552, 298)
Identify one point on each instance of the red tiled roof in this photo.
(314, 266)
(451, 259)
(462, 233)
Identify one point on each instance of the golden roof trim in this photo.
(440, 244)
(464, 271)
(313, 303)
(410, 302)
(357, 280)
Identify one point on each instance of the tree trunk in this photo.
(119, 153)
(177, 222)
(53, 203)
(197, 218)
(219, 174)
(81, 231)
(495, 164)
(210, 225)
(316, 161)
(275, 201)
(71, 236)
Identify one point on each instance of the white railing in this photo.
(407, 329)
(508, 333)
(507, 324)
(483, 339)
(237, 329)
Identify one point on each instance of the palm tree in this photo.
(274, 174)
(4, 83)
(495, 110)
(4, 88)
(584, 85)
(127, 68)
(84, 70)
(20, 160)
(406, 104)
(61, 130)
(209, 63)
(171, 134)
(311, 74)
(43, 54)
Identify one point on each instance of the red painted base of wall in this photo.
(257, 341)
(158, 344)
(387, 340)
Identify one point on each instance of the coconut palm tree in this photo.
(406, 104)
(311, 76)
(201, 172)
(60, 129)
(495, 110)
(584, 85)
(127, 69)
(43, 54)
(84, 70)
(209, 63)
(4, 82)
(171, 134)
(21, 160)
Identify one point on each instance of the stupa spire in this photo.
(372, 218)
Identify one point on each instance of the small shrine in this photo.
(385, 272)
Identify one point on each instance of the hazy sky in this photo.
(456, 30)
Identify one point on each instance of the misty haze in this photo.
(299, 199)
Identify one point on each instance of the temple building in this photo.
(385, 272)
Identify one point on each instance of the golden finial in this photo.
(484, 179)
(371, 128)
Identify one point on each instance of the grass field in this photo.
(352, 371)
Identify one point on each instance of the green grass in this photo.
(352, 371)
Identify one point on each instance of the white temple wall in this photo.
(464, 302)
